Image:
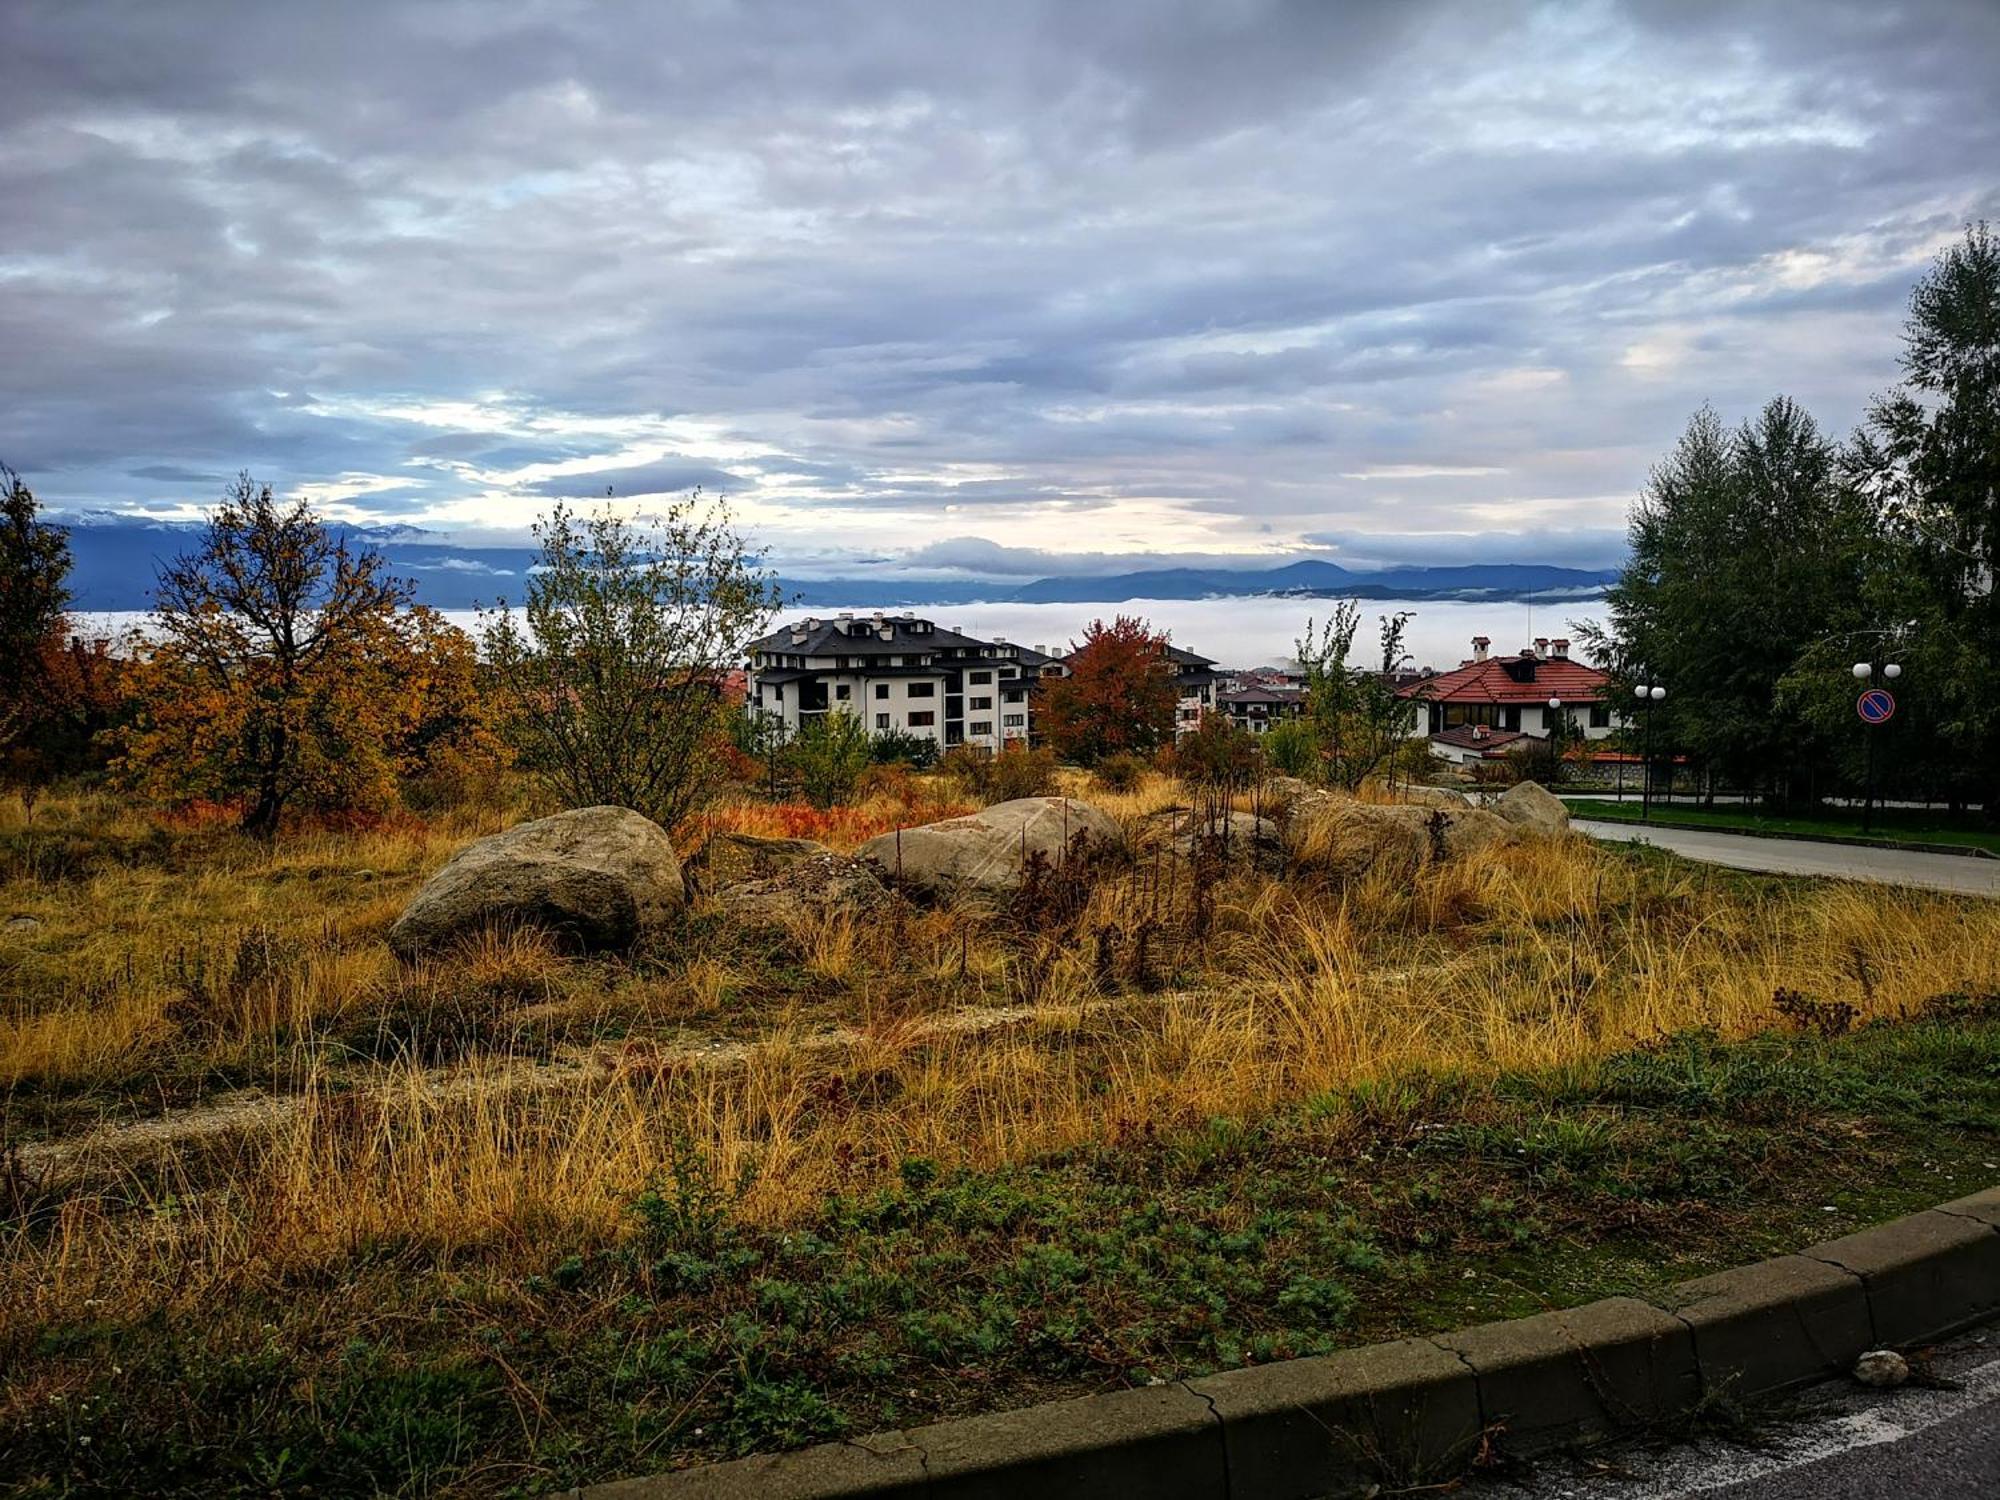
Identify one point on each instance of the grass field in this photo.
(515, 1220)
(1903, 824)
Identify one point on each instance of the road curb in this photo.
(1421, 1410)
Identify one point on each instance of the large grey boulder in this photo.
(598, 877)
(1348, 838)
(1237, 837)
(732, 858)
(1532, 807)
(988, 850)
(1433, 796)
(817, 886)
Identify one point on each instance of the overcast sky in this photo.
(982, 284)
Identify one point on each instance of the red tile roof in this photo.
(1488, 682)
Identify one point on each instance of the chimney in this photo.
(1559, 649)
(1041, 650)
(1541, 645)
(1479, 645)
(1479, 731)
(811, 623)
(798, 635)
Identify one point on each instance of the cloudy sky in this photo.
(998, 286)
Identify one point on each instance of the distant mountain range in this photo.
(117, 558)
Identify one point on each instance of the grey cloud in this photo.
(1021, 261)
(669, 476)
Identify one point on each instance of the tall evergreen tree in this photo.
(1930, 458)
(1747, 548)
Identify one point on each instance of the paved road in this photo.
(1938, 872)
(1841, 1442)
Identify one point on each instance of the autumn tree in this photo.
(611, 683)
(278, 677)
(1119, 696)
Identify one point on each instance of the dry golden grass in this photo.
(1519, 956)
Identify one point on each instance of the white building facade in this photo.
(899, 674)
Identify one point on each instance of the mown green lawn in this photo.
(1419, 1204)
(1889, 823)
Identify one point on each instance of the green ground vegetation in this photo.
(1418, 1203)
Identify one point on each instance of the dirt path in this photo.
(107, 1150)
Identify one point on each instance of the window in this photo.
(982, 726)
(881, 721)
(923, 690)
(778, 693)
(986, 702)
(881, 690)
(978, 679)
(842, 692)
(1014, 695)
(1014, 721)
(1600, 716)
(923, 718)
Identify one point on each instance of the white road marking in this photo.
(1705, 1467)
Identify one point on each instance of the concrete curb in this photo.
(1421, 1409)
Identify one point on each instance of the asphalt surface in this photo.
(1938, 872)
(1838, 1442)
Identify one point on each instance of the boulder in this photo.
(1348, 838)
(1530, 806)
(1433, 796)
(1469, 829)
(732, 858)
(1240, 836)
(821, 885)
(599, 877)
(987, 850)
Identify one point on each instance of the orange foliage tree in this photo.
(288, 675)
(1119, 697)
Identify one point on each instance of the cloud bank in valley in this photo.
(966, 287)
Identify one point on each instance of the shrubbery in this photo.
(1017, 771)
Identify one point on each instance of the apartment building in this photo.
(897, 673)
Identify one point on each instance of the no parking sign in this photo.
(1876, 706)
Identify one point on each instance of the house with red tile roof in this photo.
(1509, 699)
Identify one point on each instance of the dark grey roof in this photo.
(1261, 695)
(828, 636)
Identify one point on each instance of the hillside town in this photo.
(907, 675)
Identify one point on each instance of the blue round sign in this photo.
(1875, 706)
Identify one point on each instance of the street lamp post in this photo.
(1863, 671)
(1647, 695)
(1555, 738)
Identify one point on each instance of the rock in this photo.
(1530, 806)
(600, 877)
(1469, 829)
(731, 858)
(1881, 1368)
(1348, 838)
(1432, 796)
(821, 885)
(23, 925)
(987, 850)
(1240, 836)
